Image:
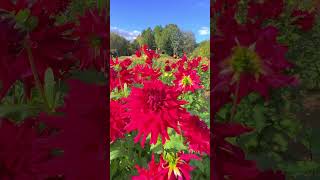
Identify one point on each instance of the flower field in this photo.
(159, 117)
(70, 110)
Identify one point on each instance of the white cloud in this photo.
(204, 31)
(129, 35)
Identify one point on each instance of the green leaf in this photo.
(22, 15)
(302, 167)
(115, 154)
(19, 112)
(157, 148)
(258, 116)
(49, 88)
(175, 143)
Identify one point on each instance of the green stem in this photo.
(234, 104)
(35, 73)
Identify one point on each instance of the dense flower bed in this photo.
(149, 98)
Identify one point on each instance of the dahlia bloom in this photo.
(118, 120)
(196, 133)
(119, 73)
(167, 68)
(152, 110)
(152, 173)
(149, 53)
(175, 166)
(49, 46)
(194, 63)
(145, 73)
(93, 40)
(267, 9)
(187, 80)
(138, 53)
(249, 63)
(305, 20)
(204, 67)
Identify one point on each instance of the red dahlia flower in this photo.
(250, 63)
(93, 40)
(194, 63)
(167, 68)
(176, 166)
(138, 53)
(267, 9)
(120, 74)
(153, 109)
(118, 120)
(305, 20)
(187, 80)
(152, 173)
(149, 53)
(49, 46)
(204, 67)
(196, 133)
(145, 73)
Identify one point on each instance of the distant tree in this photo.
(134, 45)
(157, 31)
(175, 36)
(164, 43)
(147, 37)
(189, 42)
(119, 45)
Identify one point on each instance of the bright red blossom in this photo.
(176, 166)
(152, 173)
(153, 109)
(145, 73)
(187, 80)
(93, 40)
(305, 20)
(120, 74)
(249, 63)
(138, 53)
(196, 133)
(118, 120)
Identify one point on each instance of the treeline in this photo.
(170, 40)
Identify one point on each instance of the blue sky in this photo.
(129, 17)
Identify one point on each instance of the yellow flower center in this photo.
(117, 67)
(173, 160)
(186, 81)
(245, 60)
